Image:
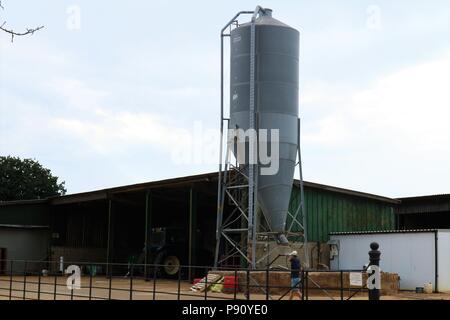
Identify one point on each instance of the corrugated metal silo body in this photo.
(276, 100)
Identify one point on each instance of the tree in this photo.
(14, 33)
(26, 179)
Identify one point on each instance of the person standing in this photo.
(295, 275)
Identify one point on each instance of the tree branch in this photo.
(13, 33)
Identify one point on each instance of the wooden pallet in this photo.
(206, 281)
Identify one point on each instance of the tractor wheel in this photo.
(171, 266)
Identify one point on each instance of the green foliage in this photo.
(26, 179)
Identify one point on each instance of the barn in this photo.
(117, 225)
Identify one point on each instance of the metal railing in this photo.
(48, 280)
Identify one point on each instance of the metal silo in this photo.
(275, 102)
(264, 86)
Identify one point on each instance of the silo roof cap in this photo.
(267, 12)
(267, 19)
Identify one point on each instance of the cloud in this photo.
(102, 114)
(412, 103)
(391, 133)
(77, 94)
(113, 132)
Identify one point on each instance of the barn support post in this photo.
(110, 238)
(192, 230)
(52, 225)
(148, 230)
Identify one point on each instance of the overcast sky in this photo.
(113, 93)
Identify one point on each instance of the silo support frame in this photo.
(222, 172)
(222, 117)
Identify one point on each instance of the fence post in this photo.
(10, 279)
(248, 284)
(131, 281)
(307, 285)
(206, 284)
(54, 287)
(90, 283)
(24, 281)
(236, 281)
(342, 284)
(39, 286)
(303, 284)
(154, 282)
(110, 281)
(179, 283)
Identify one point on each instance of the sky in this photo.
(112, 93)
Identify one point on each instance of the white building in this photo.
(417, 256)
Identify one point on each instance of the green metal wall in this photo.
(25, 214)
(333, 212)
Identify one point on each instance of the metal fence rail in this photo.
(49, 280)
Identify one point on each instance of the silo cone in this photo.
(276, 100)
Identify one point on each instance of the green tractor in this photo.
(167, 252)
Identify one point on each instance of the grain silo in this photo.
(264, 98)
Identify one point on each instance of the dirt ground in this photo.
(143, 290)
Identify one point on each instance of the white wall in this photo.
(444, 260)
(410, 255)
